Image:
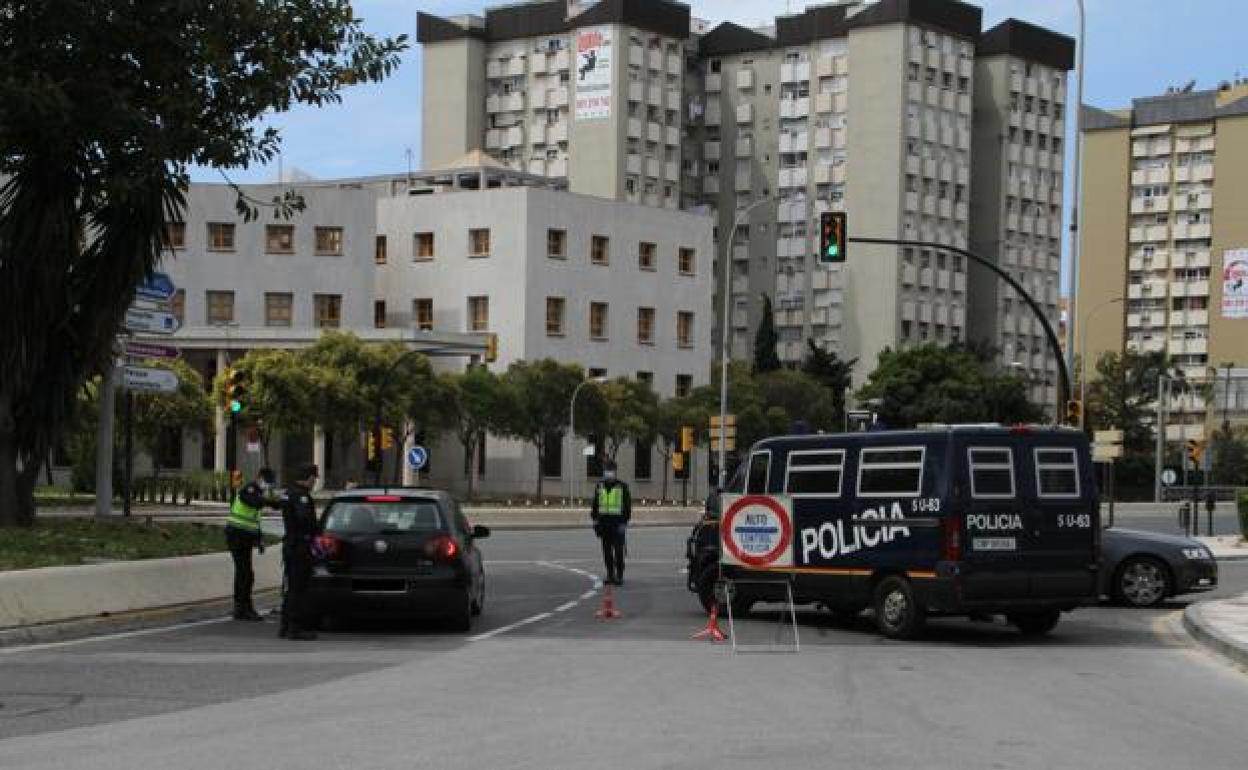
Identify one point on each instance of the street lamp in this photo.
(1074, 206)
(572, 437)
(725, 330)
(1083, 351)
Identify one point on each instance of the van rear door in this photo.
(995, 537)
(1064, 520)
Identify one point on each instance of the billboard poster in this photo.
(593, 73)
(1235, 283)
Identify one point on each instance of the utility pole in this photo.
(104, 442)
(1162, 392)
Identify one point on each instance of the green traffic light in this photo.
(236, 407)
(833, 251)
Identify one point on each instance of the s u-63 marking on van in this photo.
(970, 520)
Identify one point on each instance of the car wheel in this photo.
(710, 590)
(897, 613)
(478, 604)
(1036, 623)
(1142, 581)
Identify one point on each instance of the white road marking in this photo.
(512, 627)
(544, 615)
(566, 606)
(110, 637)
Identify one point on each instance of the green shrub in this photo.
(1241, 503)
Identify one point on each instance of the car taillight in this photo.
(442, 548)
(328, 546)
(951, 538)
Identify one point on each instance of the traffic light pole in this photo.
(1063, 391)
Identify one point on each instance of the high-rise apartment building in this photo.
(1163, 202)
(868, 108)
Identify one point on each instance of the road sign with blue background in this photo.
(417, 457)
(158, 288)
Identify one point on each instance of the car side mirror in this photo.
(479, 532)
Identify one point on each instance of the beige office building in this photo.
(1164, 241)
(868, 108)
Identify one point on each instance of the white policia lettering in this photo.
(832, 539)
(994, 521)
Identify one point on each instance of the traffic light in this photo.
(1074, 412)
(678, 461)
(686, 438)
(1195, 450)
(371, 446)
(235, 390)
(387, 438)
(833, 229)
(491, 348)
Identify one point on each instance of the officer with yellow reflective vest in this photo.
(242, 534)
(611, 509)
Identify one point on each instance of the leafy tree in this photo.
(1230, 455)
(834, 374)
(765, 341)
(540, 392)
(947, 385)
(477, 404)
(280, 393)
(104, 111)
(672, 415)
(1123, 395)
(799, 398)
(621, 410)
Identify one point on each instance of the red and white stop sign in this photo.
(757, 531)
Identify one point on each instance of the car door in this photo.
(996, 539)
(1065, 519)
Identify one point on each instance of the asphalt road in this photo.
(541, 684)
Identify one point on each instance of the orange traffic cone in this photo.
(711, 631)
(607, 611)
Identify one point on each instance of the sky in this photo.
(1134, 48)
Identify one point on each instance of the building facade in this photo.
(868, 108)
(1165, 191)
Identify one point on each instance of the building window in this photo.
(328, 310)
(554, 316)
(422, 246)
(597, 320)
(422, 310)
(685, 261)
(645, 255)
(478, 314)
(645, 326)
(220, 236)
(379, 252)
(220, 305)
(646, 378)
(557, 243)
(379, 314)
(279, 239)
(175, 235)
(600, 250)
(479, 242)
(277, 309)
(177, 306)
(684, 384)
(684, 329)
(329, 241)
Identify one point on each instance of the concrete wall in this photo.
(452, 119)
(1228, 341)
(1103, 243)
(992, 88)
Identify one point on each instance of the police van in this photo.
(974, 520)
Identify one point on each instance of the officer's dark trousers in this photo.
(298, 571)
(613, 553)
(240, 543)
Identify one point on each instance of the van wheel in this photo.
(1142, 582)
(1036, 623)
(710, 594)
(897, 614)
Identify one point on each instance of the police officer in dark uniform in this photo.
(611, 510)
(299, 518)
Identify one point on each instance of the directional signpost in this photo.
(1106, 448)
(159, 289)
(148, 379)
(149, 350)
(151, 321)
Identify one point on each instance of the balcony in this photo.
(557, 132)
(710, 185)
(792, 177)
(557, 168)
(557, 97)
(654, 95)
(537, 133)
(714, 83)
(636, 91)
(655, 59)
(632, 164)
(745, 113)
(743, 183)
(654, 132)
(745, 78)
(744, 147)
(714, 115)
(710, 151)
(791, 109)
(671, 135)
(673, 99)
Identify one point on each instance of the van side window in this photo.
(890, 472)
(815, 473)
(992, 471)
(1057, 473)
(760, 463)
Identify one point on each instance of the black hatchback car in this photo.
(405, 552)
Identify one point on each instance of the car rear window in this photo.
(891, 472)
(365, 518)
(992, 472)
(1057, 473)
(815, 473)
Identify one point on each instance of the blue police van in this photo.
(973, 520)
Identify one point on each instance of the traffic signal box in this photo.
(491, 348)
(235, 390)
(833, 230)
(1074, 412)
(1195, 451)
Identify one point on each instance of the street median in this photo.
(1222, 626)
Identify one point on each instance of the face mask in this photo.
(609, 475)
(264, 485)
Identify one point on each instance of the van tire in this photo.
(1036, 623)
(707, 583)
(897, 614)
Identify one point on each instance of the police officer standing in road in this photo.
(242, 534)
(299, 518)
(612, 508)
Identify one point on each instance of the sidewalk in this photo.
(1226, 547)
(1222, 626)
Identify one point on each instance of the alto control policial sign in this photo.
(757, 531)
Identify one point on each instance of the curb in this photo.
(137, 620)
(1200, 630)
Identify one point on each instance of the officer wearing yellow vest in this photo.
(242, 534)
(612, 508)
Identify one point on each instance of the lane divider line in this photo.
(597, 581)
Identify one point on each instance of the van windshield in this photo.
(368, 518)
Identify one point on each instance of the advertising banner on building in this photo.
(593, 73)
(1235, 283)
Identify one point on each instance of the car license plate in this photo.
(994, 544)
